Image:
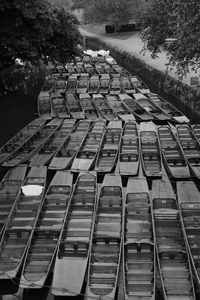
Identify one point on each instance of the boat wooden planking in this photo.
(151, 107)
(53, 71)
(93, 86)
(127, 86)
(102, 106)
(172, 256)
(150, 150)
(62, 70)
(139, 112)
(74, 106)
(71, 84)
(44, 239)
(32, 145)
(25, 134)
(104, 262)
(10, 187)
(61, 84)
(173, 155)
(139, 255)
(65, 155)
(58, 106)
(119, 108)
(86, 155)
(82, 84)
(129, 153)
(90, 69)
(52, 144)
(104, 84)
(88, 107)
(14, 241)
(139, 85)
(80, 69)
(176, 115)
(71, 70)
(115, 86)
(108, 153)
(76, 238)
(44, 105)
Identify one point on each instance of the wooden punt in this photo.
(139, 85)
(104, 84)
(20, 138)
(191, 148)
(94, 60)
(127, 86)
(88, 151)
(44, 239)
(102, 60)
(99, 69)
(32, 145)
(80, 69)
(82, 84)
(14, 241)
(88, 107)
(76, 238)
(65, 155)
(173, 156)
(139, 112)
(86, 59)
(93, 86)
(108, 69)
(129, 152)
(173, 260)
(58, 106)
(103, 108)
(196, 131)
(71, 69)
(119, 108)
(71, 84)
(54, 142)
(189, 205)
(74, 106)
(115, 86)
(104, 262)
(90, 69)
(62, 70)
(108, 153)
(53, 71)
(151, 107)
(150, 150)
(10, 187)
(61, 84)
(176, 115)
(44, 105)
(139, 256)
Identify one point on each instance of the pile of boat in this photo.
(102, 189)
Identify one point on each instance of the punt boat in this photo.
(65, 155)
(127, 86)
(173, 156)
(103, 108)
(189, 205)
(74, 106)
(25, 134)
(61, 85)
(54, 142)
(119, 108)
(86, 59)
(62, 70)
(176, 115)
(58, 106)
(80, 69)
(115, 86)
(107, 156)
(120, 70)
(15, 239)
(32, 145)
(102, 60)
(53, 71)
(104, 262)
(104, 84)
(44, 239)
(71, 84)
(196, 131)
(82, 84)
(88, 107)
(99, 69)
(90, 69)
(76, 238)
(149, 106)
(139, 256)
(44, 105)
(87, 153)
(94, 60)
(173, 260)
(139, 112)
(150, 150)
(139, 85)
(71, 69)
(10, 187)
(191, 148)
(93, 85)
(129, 152)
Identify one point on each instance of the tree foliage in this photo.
(34, 29)
(112, 12)
(177, 19)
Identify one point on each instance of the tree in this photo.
(180, 21)
(34, 29)
(112, 12)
